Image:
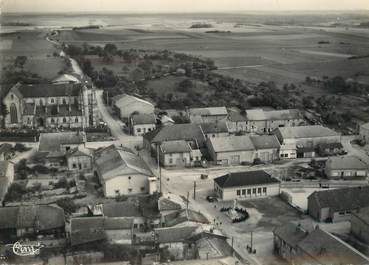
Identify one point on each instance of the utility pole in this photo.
(251, 242)
(232, 246)
(188, 195)
(194, 190)
(159, 168)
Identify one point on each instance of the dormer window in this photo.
(76, 119)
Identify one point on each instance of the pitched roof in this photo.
(265, 142)
(87, 229)
(90, 229)
(330, 146)
(342, 199)
(121, 209)
(346, 162)
(232, 143)
(174, 132)
(51, 142)
(40, 217)
(328, 249)
(310, 131)
(246, 178)
(236, 117)
(174, 234)
(77, 152)
(142, 118)
(261, 115)
(179, 146)
(125, 100)
(220, 127)
(184, 215)
(363, 215)
(116, 162)
(293, 233)
(210, 111)
(47, 90)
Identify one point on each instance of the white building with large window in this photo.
(246, 185)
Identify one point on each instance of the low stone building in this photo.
(237, 123)
(126, 105)
(123, 173)
(231, 150)
(337, 204)
(142, 123)
(79, 160)
(360, 225)
(207, 115)
(31, 221)
(218, 129)
(265, 121)
(266, 147)
(346, 167)
(175, 154)
(301, 244)
(246, 185)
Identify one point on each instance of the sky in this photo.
(178, 5)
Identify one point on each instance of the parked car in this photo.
(211, 198)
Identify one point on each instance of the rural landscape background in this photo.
(284, 48)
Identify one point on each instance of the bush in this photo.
(67, 204)
(15, 192)
(20, 148)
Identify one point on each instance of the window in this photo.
(52, 100)
(138, 130)
(248, 191)
(144, 130)
(170, 160)
(135, 226)
(13, 113)
(149, 129)
(116, 192)
(129, 190)
(238, 192)
(85, 165)
(254, 191)
(142, 188)
(64, 120)
(41, 102)
(74, 165)
(259, 190)
(52, 120)
(264, 190)
(341, 213)
(76, 119)
(28, 120)
(243, 192)
(129, 177)
(64, 101)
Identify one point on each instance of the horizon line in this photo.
(186, 12)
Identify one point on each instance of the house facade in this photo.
(50, 106)
(219, 129)
(266, 148)
(231, 150)
(360, 225)
(142, 123)
(246, 185)
(346, 167)
(328, 206)
(237, 123)
(261, 121)
(123, 173)
(79, 161)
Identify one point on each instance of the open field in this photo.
(39, 52)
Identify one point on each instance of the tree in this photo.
(184, 85)
(67, 204)
(15, 192)
(110, 48)
(20, 61)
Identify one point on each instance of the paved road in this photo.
(116, 125)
